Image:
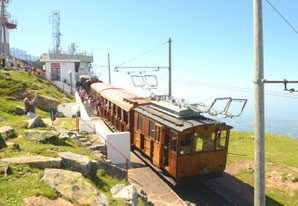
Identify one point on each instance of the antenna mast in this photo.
(55, 20)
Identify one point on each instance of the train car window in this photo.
(151, 129)
(140, 122)
(186, 143)
(174, 141)
(221, 140)
(203, 142)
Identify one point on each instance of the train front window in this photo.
(151, 129)
(186, 143)
(221, 140)
(203, 142)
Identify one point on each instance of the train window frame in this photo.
(212, 147)
(176, 142)
(151, 130)
(219, 137)
(140, 122)
(186, 137)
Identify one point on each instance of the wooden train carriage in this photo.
(116, 106)
(181, 141)
(87, 80)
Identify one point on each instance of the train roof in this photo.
(119, 96)
(176, 117)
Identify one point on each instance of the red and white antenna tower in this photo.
(6, 25)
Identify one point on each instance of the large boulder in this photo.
(44, 201)
(45, 103)
(7, 132)
(126, 192)
(20, 110)
(40, 136)
(35, 161)
(75, 162)
(73, 186)
(36, 122)
(2, 142)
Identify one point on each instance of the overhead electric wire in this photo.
(142, 54)
(232, 88)
(275, 9)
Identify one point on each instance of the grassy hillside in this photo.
(25, 181)
(281, 160)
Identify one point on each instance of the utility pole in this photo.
(259, 179)
(109, 68)
(1, 28)
(170, 68)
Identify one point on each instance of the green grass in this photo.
(279, 149)
(22, 182)
(281, 152)
(68, 123)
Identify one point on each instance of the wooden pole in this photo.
(259, 173)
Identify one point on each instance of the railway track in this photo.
(191, 192)
(201, 194)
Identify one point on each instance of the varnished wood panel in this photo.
(137, 139)
(147, 146)
(172, 163)
(157, 153)
(189, 165)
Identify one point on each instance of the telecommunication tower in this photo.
(55, 21)
(6, 24)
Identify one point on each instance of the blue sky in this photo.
(212, 41)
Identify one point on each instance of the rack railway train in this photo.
(176, 139)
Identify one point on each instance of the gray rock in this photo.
(291, 177)
(45, 103)
(35, 161)
(59, 114)
(20, 110)
(73, 186)
(7, 132)
(75, 162)
(4, 170)
(13, 145)
(3, 119)
(2, 142)
(63, 136)
(36, 122)
(40, 136)
(126, 192)
(109, 168)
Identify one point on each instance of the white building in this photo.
(58, 66)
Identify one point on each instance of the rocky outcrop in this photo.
(13, 145)
(75, 162)
(36, 122)
(40, 136)
(7, 132)
(45, 103)
(109, 168)
(4, 170)
(44, 201)
(126, 192)
(73, 186)
(2, 142)
(35, 161)
(19, 110)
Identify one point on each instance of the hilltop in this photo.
(21, 183)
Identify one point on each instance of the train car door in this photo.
(173, 153)
(158, 145)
